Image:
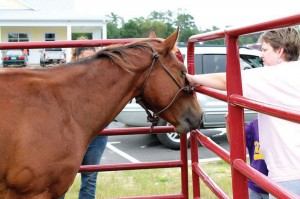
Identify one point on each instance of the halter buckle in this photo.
(155, 55)
(189, 89)
(153, 118)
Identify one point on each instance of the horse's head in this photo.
(166, 90)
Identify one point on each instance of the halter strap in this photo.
(153, 118)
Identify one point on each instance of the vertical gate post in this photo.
(194, 158)
(237, 138)
(184, 167)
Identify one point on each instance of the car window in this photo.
(14, 52)
(216, 63)
(207, 63)
(198, 64)
(253, 61)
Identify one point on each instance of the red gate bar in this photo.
(262, 181)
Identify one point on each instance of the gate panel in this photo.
(236, 102)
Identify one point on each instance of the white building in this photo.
(47, 20)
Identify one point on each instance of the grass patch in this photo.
(154, 182)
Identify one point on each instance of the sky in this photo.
(207, 13)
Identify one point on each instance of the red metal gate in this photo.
(236, 103)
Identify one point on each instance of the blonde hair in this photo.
(74, 51)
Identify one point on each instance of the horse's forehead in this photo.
(175, 63)
(175, 50)
(158, 41)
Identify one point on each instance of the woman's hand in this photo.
(212, 80)
(192, 80)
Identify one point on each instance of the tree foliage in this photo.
(164, 24)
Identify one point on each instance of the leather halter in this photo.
(153, 118)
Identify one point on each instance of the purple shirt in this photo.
(256, 157)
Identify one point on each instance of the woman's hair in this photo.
(286, 38)
(77, 51)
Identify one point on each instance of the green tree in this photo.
(249, 39)
(216, 41)
(166, 17)
(163, 23)
(131, 29)
(186, 25)
(113, 30)
(161, 29)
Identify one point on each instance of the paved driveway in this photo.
(145, 148)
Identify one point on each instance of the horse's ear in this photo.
(152, 34)
(170, 43)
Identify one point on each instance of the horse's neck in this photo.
(97, 93)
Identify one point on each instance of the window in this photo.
(18, 37)
(214, 63)
(198, 64)
(49, 36)
(209, 63)
(251, 61)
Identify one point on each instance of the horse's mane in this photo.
(118, 53)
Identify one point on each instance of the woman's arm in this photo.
(212, 80)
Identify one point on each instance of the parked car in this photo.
(52, 56)
(256, 46)
(208, 59)
(15, 58)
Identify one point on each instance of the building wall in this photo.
(35, 33)
(36, 17)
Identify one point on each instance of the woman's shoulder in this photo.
(281, 69)
(293, 64)
(286, 68)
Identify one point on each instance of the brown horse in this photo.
(48, 117)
